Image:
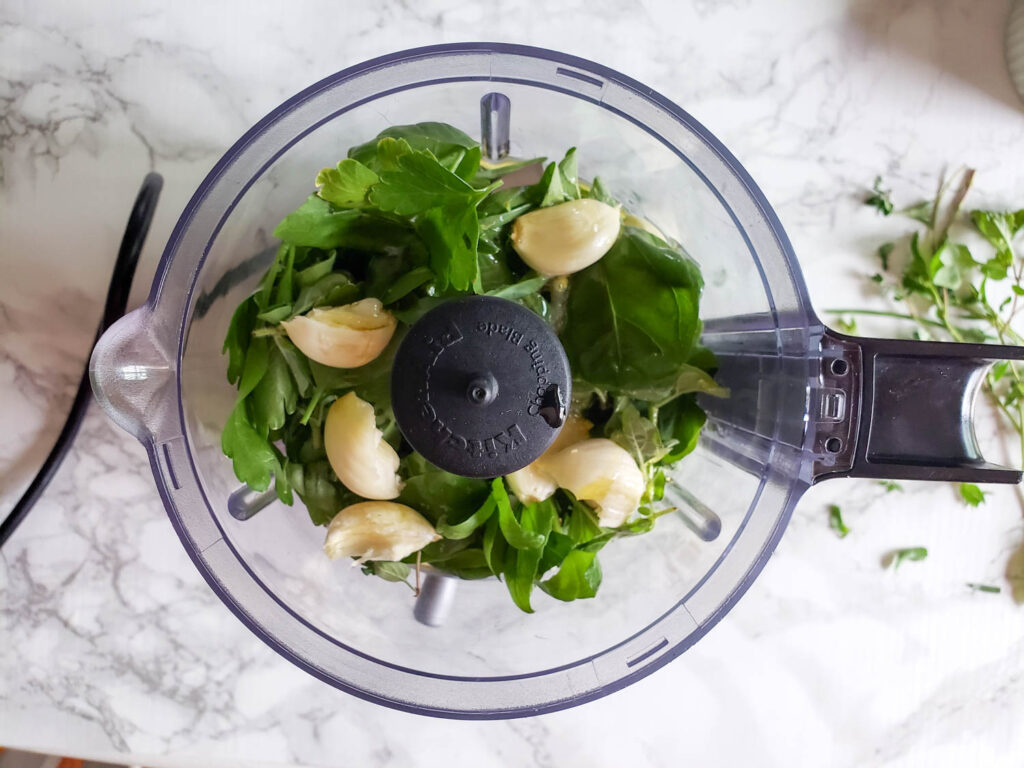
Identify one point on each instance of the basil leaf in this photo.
(637, 434)
(330, 290)
(558, 546)
(494, 546)
(464, 529)
(521, 564)
(239, 335)
(880, 199)
(524, 287)
(252, 457)
(578, 577)
(632, 318)
(516, 532)
(320, 490)
(256, 361)
(680, 422)
(310, 275)
(406, 284)
(492, 172)
(346, 185)
(598, 192)
(437, 494)
(389, 570)
(316, 224)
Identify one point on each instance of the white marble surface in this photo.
(114, 647)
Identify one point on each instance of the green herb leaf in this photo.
(971, 494)
(632, 318)
(450, 146)
(912, 554)
(923, 212)
(346, 185)
(521, 563)
(451, 236)
(517, 533)
(890, 485)
(274, 397)
(579, 576)
(252, 457)
(440, 495)
(388, 570)
(466, 528)
(999, 228)
(984, 588)
(421, 183)
(879, 199)
(525, 287)
(236, 343)
(835, 521)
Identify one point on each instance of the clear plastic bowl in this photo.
(161, 375)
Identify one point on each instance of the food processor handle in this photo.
(902, 410)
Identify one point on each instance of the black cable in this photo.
(117, 301)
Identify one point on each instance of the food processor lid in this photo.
(480, 386)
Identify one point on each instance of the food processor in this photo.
(806, 403)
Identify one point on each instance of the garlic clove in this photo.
(565, 238)
(377, 530)
(532, 483)
(602, 473)
(343, 337)
(357, 451)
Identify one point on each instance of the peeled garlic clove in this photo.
(377, 530)
(357, 450)
(532, 483)
(602, 473)
(343, 337)
(565, 238)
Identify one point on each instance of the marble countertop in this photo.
(113, 645)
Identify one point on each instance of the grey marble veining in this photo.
(114, 646)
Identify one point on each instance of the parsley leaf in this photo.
(346, 185)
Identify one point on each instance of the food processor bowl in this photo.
(806, 403)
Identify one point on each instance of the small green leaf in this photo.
(884, 252)
(890, 485)
(236, 343)
(388, 570)
(525, 287)
(911, 554)
(971, 494)
(923, 212)
(597, 191)
(515, 532)
(406, 284)
(464, 529)
(315, 272)
(252, 457)
(578, 577)
(984, 588)
(835, 521)
(879, 198)
(346, 185)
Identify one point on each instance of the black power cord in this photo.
(117, 301)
